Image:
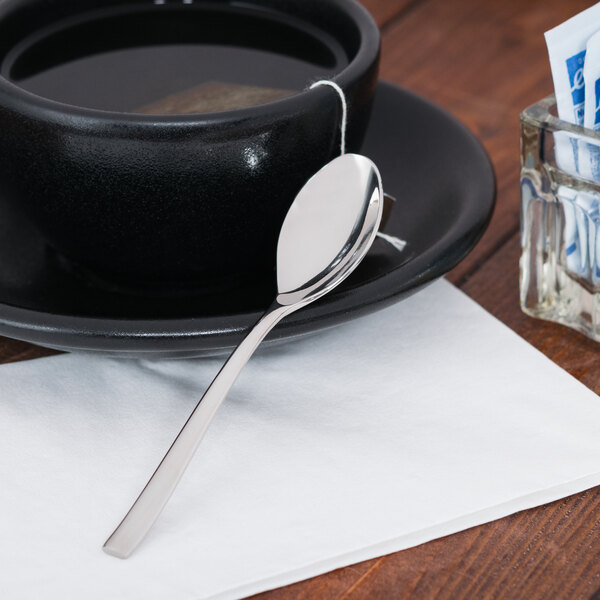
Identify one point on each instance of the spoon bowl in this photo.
(328, 228)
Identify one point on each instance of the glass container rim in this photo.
(539, 115)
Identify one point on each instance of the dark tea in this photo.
(173, 58)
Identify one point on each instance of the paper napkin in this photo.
(418, 421)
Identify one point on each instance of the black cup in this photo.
(169, 200)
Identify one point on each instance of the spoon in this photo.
(328, 230)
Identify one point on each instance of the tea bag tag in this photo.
(394, 241)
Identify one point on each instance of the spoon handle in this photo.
(161, 485)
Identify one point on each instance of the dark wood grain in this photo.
(484, 62)
(13, 350)
(386, 11)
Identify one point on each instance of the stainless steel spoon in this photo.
(326, 233)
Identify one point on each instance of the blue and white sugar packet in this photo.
(591, 77)
(591, 82)
(573, 52)
(567, 49)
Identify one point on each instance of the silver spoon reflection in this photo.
(326, 233)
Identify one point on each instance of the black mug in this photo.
(172, 199)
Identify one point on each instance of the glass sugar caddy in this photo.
(560, 220)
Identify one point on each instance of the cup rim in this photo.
(366, 55)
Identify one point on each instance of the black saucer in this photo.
(437, 170)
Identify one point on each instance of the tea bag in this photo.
(213, 96)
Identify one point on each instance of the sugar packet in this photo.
(567, 48)
(591, 77)
(591, 120)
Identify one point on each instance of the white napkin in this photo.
(418, 421)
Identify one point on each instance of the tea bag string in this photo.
(394, 241)
(344, 121)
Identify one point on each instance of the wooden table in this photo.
(484, 61)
